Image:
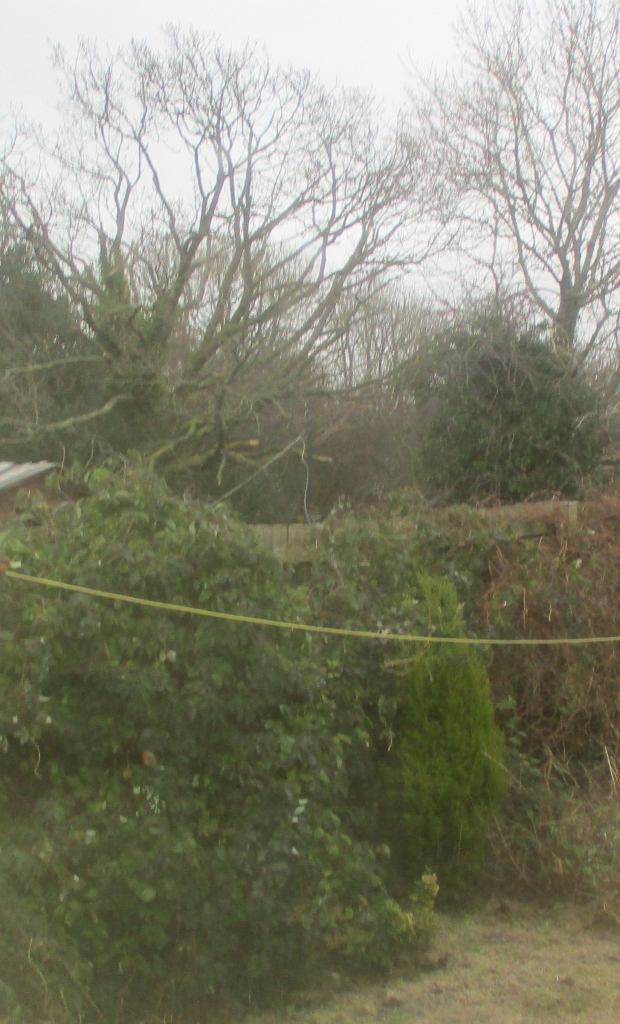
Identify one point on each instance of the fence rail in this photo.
(299, 542)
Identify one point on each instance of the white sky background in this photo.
(369, 44)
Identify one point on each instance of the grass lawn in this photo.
(508, 963)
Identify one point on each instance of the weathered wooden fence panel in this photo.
(299, 542)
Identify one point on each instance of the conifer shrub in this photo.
(432, 773)
(443, 774)
(173, 789)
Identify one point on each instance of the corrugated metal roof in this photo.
(13, 474)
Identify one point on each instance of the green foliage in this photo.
(556, 830)
(34, 323)
(444, 774)
(513, 418)
(173, 789)
(37, 329)
(265, 743)
(423, 777)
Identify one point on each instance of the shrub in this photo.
(512, 418)
(432, 772)
(555, 835)
(173, 788)
(564, 585)
(556, 830)
(443, 774)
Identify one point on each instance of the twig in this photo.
(38, 971)
(305, 462)
(253, 476)
(612, 771)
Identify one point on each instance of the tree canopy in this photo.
(529, 136)
(215, 226)
(509, 418)
(233, 272)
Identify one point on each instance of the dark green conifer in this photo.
(444, 772)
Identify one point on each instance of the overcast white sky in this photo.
(363, 43)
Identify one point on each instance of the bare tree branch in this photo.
(529, 135)
(210, 220)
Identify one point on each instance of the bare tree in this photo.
(208, 218)
(383, 332)
(529, 136)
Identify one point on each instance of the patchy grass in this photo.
(507, 964)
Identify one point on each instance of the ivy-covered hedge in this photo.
(174, 792)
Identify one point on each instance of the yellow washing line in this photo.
(331, 630)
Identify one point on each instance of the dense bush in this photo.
(444, 773)
(511, 417)
(558, 705)
(555, 832)
(563, 585)
(174, 788)
(202, 803)
(433, 773)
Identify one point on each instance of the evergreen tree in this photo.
(513, 417)
(444, 772)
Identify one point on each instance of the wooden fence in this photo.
(299, 542)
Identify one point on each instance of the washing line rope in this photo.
(304, 627)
